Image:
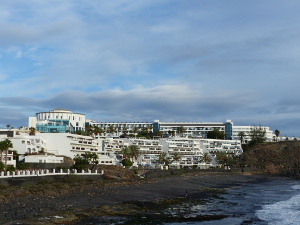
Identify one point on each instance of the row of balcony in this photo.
(85, 142)
(90, 149)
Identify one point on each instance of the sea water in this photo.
(275, 202)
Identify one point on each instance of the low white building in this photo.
(43, 159)
(8, 158)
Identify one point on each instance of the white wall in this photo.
(43, 159)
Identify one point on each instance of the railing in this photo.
(46, 172)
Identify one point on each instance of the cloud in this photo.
(144, 60)
(13, 117)
(16, 34)
(169, 102)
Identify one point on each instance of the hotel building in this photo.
(58, 121)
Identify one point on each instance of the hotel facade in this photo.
(58, 121)
(191, 129)
(53, 147)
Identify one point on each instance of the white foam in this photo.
(282, 213)
(296, 187)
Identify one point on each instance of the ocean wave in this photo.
(296, 187)
(282, 212)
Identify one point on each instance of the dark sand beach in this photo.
(69, 207)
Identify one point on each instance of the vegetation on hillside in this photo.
(275, 158)
(81, 162)
(129, 154)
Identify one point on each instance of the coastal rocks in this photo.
(61, 218)
(116, 171)
(84, 197)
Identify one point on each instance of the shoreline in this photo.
(71, 206)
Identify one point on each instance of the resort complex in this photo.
(58, 136)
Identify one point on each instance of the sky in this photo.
(140, 61)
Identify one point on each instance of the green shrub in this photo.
(22, 166)
(1, 166)
(60, 167)
(10, 168)
(80, 163)
(126, 162)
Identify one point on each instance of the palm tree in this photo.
(111, 129)
(88, 129)
(8, 126)
(145, 131)
(135, 130)
(91, 157)
(119, 129)
(32, 131)
(96, 130)
(4, 146)
(163, 159)
(277, 132)
(241, 135)
(206, 158)
(222, 158)
(181, 130)
(176, 158)
(1, 149)
(130, 153)
(134, 152)
(151, 129)
(125, 152)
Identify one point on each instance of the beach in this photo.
(70, 207)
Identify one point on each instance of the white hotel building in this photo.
(58, 121)
(64, 121)
(191, 151)
(55, 137)
(192, 129)
(51, 147)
